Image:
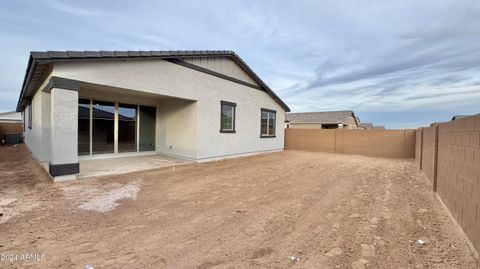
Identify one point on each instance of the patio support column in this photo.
(64, 128)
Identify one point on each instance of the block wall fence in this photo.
(449, 156)
(374, 143)
(10, 127)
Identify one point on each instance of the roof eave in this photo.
(45, 57)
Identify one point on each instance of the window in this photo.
(147, 127)
(84, 110)
(30, 116)
(23, 120)
(268, 120)
(127, 128)
(103, 127)
(227, 117)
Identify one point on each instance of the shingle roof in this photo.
(366, 125)
(334, 117)
(41, 58)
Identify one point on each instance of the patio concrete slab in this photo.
(121, 165)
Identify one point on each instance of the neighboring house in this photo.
(10, 122)
(322, 120)
(456, 117)
(10, 117)
(198, 105)
(365, 126)
(379, 127)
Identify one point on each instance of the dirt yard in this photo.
(283, 210)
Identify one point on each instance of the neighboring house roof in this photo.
(456, 117)
(366, 125)
(326, 117)
(11, 116)
(38, 65)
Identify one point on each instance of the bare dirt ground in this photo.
(282, 210)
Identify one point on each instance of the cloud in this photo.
(78, 11)
(380, 58)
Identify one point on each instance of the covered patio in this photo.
(101, 166)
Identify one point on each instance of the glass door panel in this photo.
(127, 128)
(83, 127)
(103, 125)
(147, 128)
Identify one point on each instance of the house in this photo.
(365, 126)
(322, 120)
(456, 117)
(10, 122)
(379, 127)
(197, 105)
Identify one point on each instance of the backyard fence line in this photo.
(374, 143)
(449, 156)
(10, 127)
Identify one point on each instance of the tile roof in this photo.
(41, 58)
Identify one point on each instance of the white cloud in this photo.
(376, 57)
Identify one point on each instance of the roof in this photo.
(11, 116)
(366, 125)
(38, 65)
(456, 117)
(326, 117)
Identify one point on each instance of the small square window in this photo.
(227, 117)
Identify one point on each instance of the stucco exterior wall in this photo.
(177, 128)
(38, 139)
(165, 78)
(350, 123)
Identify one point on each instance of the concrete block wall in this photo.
(418, 147)
(375, 143)
(430, 153)
(10, 127)
(457, 170)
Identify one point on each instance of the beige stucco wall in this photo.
(177, 128)
(350, 123)
(38, 138)
(161, 77)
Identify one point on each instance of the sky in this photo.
(401, 64)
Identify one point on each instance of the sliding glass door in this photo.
(83, 127)
(127, 128)
(103, 127)
(108, 127)
(147, 127)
